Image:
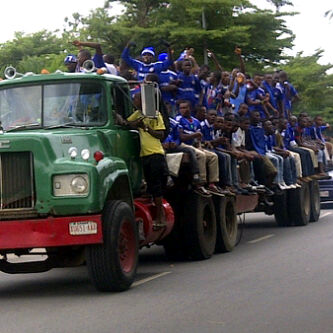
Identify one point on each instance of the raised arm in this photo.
(212, 55)
(96, 46)
(127, 58)
(238, 52)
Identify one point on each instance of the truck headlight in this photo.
(70, 184)
(79, 184)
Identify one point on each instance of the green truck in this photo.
(71, 183)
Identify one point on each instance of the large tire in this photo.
(226, 224)
(280, 209)
(112, 265)
(174, 247)
(299, 206)
(174, 244)
(199, 226)
(314, 201)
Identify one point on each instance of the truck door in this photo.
(127, 141)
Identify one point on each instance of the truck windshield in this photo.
(61, 104)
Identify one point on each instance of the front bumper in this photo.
(50, 232)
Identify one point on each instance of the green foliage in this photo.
(313, 83)
(280, 3)
(261, 34)
(31, 52)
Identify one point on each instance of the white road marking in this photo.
(261, 239)
(325, 214)
(153, 277)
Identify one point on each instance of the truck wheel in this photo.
(280, 209)
(174, 247)
(226, 224)
(314, 201)
(299, 206)
(173, 244)
(112, 265)
(199, 226)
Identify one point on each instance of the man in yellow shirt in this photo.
(155, 169)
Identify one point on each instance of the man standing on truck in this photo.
(85, 54)
(155, 169)
(146, 66)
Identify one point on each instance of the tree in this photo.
(262, 34)
(313, 83)
(31, 52)
(280, 3)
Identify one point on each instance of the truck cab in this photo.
(64, 154)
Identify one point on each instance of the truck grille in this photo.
(16, 181)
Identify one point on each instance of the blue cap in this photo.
(70, 58)
(149, 50)
(163, 56)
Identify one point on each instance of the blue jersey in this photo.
(189, 126)
(207, 130)
(270, 142)
(256, 94)
(274, 94)
(287, 137)
(309, 133)
(240, 97)
(173, 135)
(165, 78)
(213, 97)
(257, 135)
(317, 133)
(144, 69)
(287, 96)
(189, 88)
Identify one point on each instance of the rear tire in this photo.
(314, 201)
(299, 206)
(112, 265)
(199, 226)
(226, 224)
(280, 209)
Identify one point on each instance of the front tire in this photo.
(112, 265)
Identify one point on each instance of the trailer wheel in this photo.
(174, 247)
(280, 209)
(199, 226)
(112, 265)
(173, 244)
(299, 205)
(315, 201)
(226, 224)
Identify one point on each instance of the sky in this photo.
(312, 29)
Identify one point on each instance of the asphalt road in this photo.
(276, 280)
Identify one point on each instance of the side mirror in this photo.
(150, 97)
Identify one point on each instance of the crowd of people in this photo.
(238, 130)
